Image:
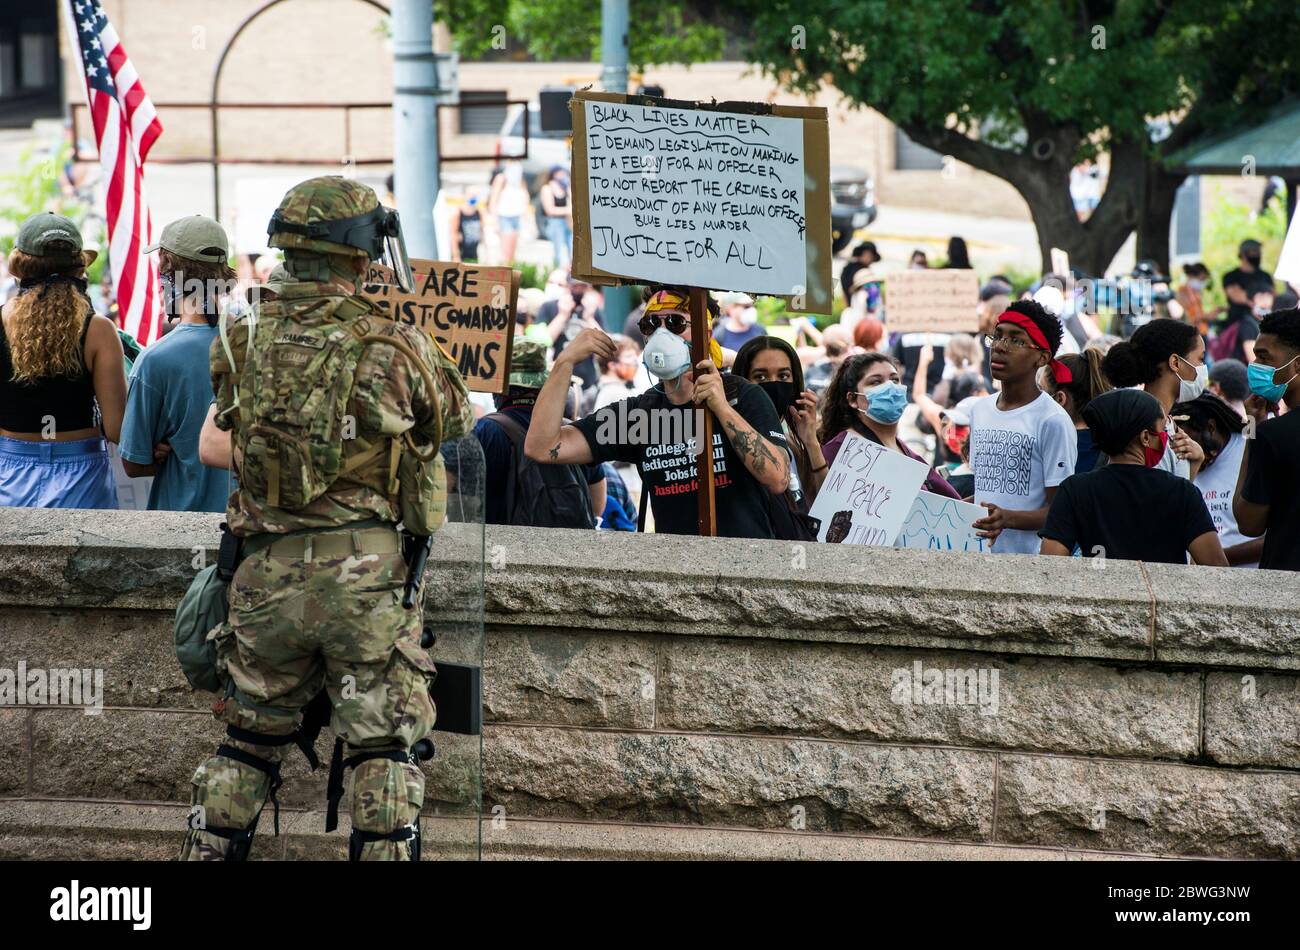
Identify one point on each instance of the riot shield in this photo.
(453, 613)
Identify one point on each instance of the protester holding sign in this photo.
(1022, 443)
(1130, 508)
(658, 431)
(867, 397)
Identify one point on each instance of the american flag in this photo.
(126, 126)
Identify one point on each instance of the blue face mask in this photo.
(1262, 381)
(885, 403)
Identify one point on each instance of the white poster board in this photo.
(700, 198)
(939, 523)
(867, 493)
(1288, 262)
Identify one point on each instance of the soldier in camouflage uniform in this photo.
(316, 601)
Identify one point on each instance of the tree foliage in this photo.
(557, 30)
(34, 186)
(1003, 66)
(1026, 88)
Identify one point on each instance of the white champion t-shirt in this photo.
(1217, 484)
(1016, 456)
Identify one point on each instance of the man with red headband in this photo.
(1022, 443)
(656, 430)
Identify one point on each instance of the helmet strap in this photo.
(306, 266)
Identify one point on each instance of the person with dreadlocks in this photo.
(170, 389)
(1217, 428)
(62, 383)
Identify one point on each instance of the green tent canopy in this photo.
(1274, 146)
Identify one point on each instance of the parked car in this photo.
(853, 203)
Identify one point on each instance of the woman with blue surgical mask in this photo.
(867, 397)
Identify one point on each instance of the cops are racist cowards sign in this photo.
(469, 310)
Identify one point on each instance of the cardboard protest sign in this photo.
(939, 523)
(942, 301)
(468, 309)
(724, 196)
(867, 494)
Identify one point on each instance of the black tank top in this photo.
(69, 399)
(561, 199)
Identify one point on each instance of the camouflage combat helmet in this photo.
(318, 201)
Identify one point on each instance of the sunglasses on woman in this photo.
(675, 322)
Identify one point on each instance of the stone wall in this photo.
(659, 696)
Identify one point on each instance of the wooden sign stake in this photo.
(700, 337)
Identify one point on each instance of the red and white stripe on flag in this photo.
(126, 127)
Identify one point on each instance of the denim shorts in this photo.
(509, 222)
(56, 474)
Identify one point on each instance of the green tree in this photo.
(34, 187)
(551, 30)
(1025, 89)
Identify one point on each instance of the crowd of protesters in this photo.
(1174, 444)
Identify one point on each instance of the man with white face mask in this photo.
(657, 430)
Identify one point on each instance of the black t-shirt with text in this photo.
(1129, 512)
(1273, 479)
(658, 437)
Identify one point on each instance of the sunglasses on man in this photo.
(675, 322)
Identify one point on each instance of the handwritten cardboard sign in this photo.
(726, 196)
(942, 301)
(938, 523)
(867, 494)
(468, 309)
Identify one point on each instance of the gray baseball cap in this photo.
(196, 238)
(50, 235)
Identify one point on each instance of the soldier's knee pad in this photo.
(387, 795)
(226, 798)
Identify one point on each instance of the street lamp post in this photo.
(415, 124)
(613, 77)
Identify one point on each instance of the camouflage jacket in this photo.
(388, 398)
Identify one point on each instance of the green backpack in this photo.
(293, 399)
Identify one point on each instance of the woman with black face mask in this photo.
(1217, 429)
(773, 365)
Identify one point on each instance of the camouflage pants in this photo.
(297, 625)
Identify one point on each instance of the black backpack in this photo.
(543, 496)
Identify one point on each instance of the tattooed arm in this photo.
(549, 439)
(767, 463)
